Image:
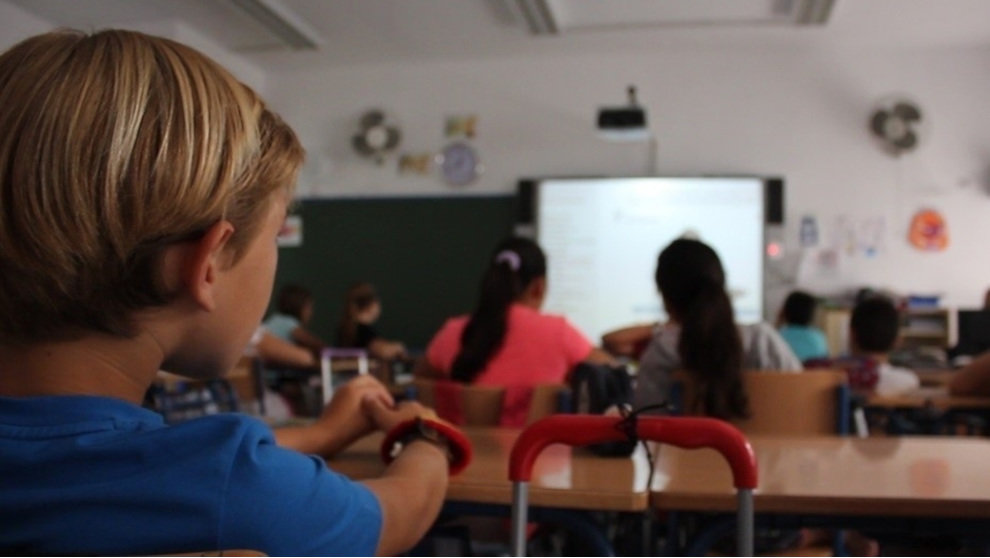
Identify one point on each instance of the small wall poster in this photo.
(291, 233)
(928, 231)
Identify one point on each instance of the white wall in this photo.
(18, 24)
(797, 112)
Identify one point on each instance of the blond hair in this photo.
(113, 146)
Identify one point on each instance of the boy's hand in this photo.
(343, 420)
(386, 417)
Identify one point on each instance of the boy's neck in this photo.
(99, 365)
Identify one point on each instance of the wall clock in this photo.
(459, 164)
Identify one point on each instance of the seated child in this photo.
(143, 188)
(362, 307)
(294, 312)
(873, 332)
(806, 340)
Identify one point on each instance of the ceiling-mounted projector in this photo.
(625, 123)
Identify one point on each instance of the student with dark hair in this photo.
(806, 340)
(874, 329)
(702, 338)
(362, 308)
(294, 310)
(506, 341)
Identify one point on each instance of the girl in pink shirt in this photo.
(506, 341)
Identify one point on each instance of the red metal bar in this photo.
(685, 432)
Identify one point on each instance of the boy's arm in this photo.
(972, 379)
(342, 421)
(411, 490)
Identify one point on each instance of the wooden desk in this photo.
(935, 377)
(562, 477)
(928, 397)
(888, 477)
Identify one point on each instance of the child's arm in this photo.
(301, 336)
(412, 488)
(385, 349)
(972, 379)
(342, 421)
(625, 341)
(273, 350)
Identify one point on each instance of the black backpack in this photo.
(595, 388)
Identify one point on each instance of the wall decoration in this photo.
(461, 126)
(858, 236)
(291, 233)
(416, 163)
(870, 236)
(928, 231)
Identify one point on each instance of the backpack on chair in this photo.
(596, 388)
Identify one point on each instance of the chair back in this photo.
(788, 403)
(471, 405)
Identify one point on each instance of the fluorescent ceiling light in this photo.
(282, 23)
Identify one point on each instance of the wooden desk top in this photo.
(934, 377)
(562, 477)
(930, 396)
(903, 476)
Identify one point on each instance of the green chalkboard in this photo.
(425, 256)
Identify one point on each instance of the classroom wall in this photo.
(795, 111)
(18, 24)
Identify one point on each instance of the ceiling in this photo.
(389, 31)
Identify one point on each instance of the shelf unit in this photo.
(920, 327)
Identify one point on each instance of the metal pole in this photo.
(327, 373)
(520, 503)
(744, 523)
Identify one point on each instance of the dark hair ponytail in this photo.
(690, 277)
(514, 264)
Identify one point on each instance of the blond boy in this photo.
(141, 190)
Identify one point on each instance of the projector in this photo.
(625, 123)
(621, 118)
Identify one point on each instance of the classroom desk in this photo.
(903, 484)
(563, 477)
(903, 476)
(933, 397)
(935, 377)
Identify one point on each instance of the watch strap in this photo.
(458, 445)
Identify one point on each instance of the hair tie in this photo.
(509, 257)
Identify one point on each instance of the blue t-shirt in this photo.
(94, 475)
(281, 326)
(807, 342)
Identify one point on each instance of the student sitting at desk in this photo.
(506, 341)
(806, 340)
(873, 331)
(701, 336)
(294, 310)
(150, 186)
(362, 308)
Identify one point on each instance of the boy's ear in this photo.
(205, 260)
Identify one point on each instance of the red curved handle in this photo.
(685, 432)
